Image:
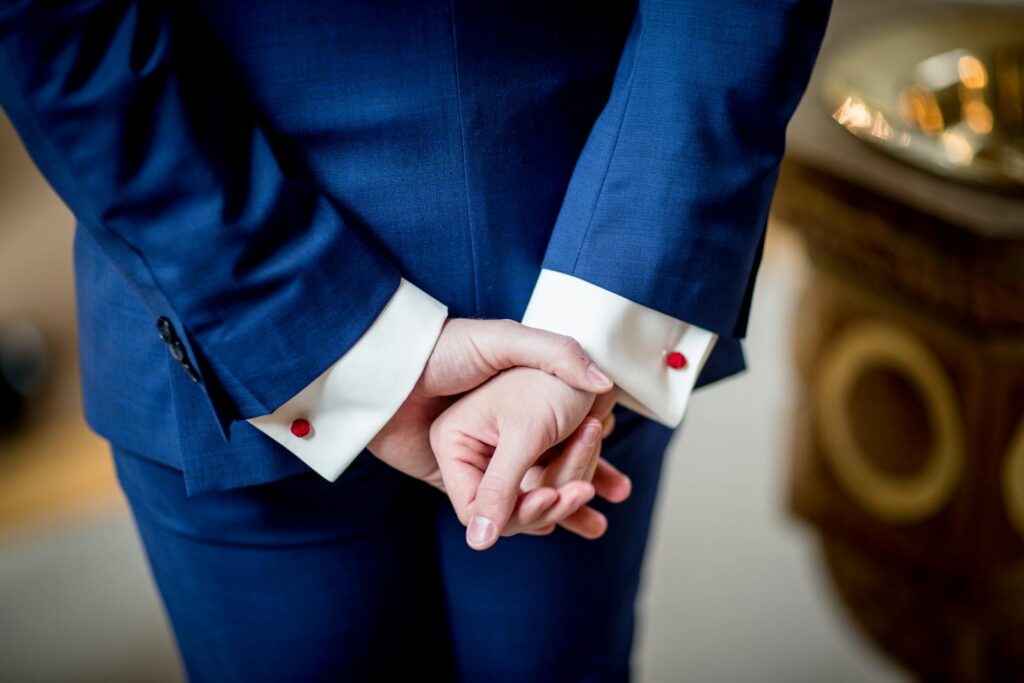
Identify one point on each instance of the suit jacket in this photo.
(252, 179)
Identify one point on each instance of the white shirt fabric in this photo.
(356, 396)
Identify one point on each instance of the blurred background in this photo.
(849, 509)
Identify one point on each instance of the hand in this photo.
(571, 464)
(489, 446)
(468, 353)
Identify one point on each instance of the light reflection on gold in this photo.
(957, 148)
(861, 119)
(924, 109)
(972, 72)
(853, 113)
(880, 128)
(978, 116)
(956, 110)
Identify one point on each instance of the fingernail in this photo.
(598, 377)
(481, 531)
(591, 433)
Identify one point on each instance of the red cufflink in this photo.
(675, 360)
(301, 428)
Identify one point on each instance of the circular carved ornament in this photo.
(863, 347)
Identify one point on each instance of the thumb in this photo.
(517, 450)
(510, 344)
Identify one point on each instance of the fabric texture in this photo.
(354, 398)
(348, 403)
(631, 342)
(263, 174)
(370, 578)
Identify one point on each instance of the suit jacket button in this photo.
(191, 372)
(177, 351)
(165, 329)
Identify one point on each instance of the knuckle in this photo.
(533, 436)
(505, 326)
(440, 430)
(492, 489)
(546, 431)
(457, 326)
(572, 348)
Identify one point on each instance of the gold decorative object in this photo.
(859, 349)
(941, 90)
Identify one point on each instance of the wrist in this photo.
(427, 385)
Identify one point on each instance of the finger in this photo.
(578, 452)
(531, 506)
(602, 409)
(610, 483)
(534, 478)
(586, 522)
(461, 469)
(571, 498)
(604, 403)
(543, 531)
(509, 344)
(592, 463)
(518, 448)
(461, 462)
(608, 424)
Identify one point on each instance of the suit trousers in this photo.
(369, 578)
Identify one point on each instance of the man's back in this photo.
(448, 131)
(289, 216)
(257, 176)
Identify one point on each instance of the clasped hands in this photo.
(508, 421)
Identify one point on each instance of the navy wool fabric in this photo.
(370, 579)
(262, 173)
(258, 175)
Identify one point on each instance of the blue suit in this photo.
(251, 180)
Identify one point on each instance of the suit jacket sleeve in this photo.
(669, 199)
(653, 358)
(164, 160)
(341, 411)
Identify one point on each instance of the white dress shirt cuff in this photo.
(652, 357)
(341, 411)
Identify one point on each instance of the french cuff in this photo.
(331, 420)
(654, 359)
